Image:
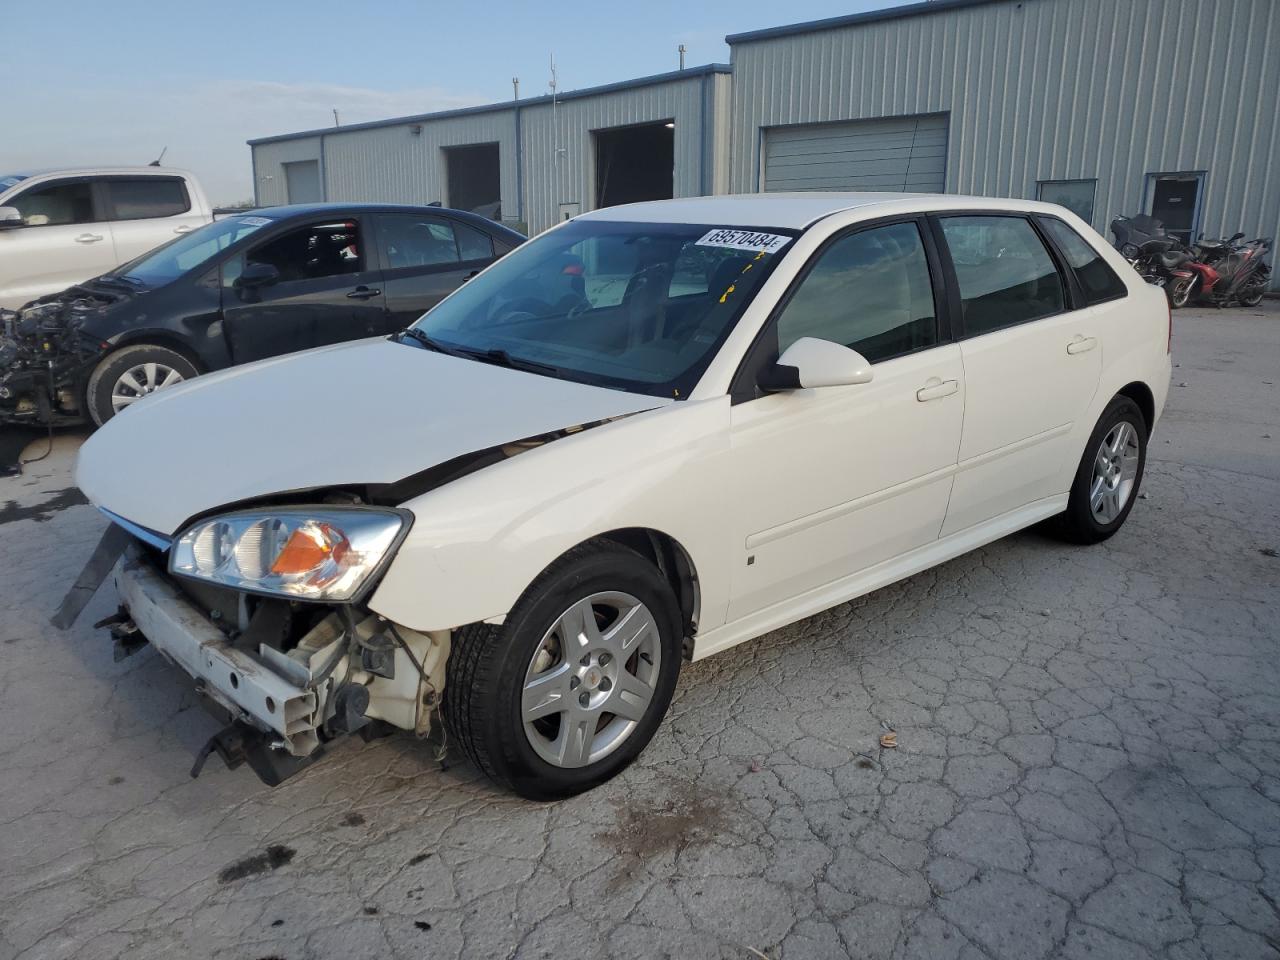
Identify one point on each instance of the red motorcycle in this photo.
(1223, 272)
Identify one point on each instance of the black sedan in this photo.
(243, 288)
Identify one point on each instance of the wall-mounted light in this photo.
(416, 129)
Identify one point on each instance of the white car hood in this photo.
(368, 412)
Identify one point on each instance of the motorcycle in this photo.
(1163, 262)
(1227, 271)
(1132, 233)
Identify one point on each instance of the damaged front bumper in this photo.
(349, 669)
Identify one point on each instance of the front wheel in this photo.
(1179, 292)
(573, 685)
(1109, 476)
(124, 377)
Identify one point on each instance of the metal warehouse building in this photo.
(1105, 106)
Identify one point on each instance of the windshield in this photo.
(8, 180)
(191, 250)
(635, 306)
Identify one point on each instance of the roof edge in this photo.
(853, 19)
(652, 80)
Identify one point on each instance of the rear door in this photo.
(146, 211)
(63, 240)
(425, 257)
(1032, 362)
(328, 291)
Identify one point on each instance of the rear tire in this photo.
(127, 375)
(1108, 478)
(1253, 297)
(529, 701)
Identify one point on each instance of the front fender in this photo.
(478, 542)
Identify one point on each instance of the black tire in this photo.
(481, 707)
(1078, 524)
(1253, 297)
(1179, 292)
(115, 365)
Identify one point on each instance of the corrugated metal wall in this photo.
(1049, 89)
(571, 179)
(270, 187)
(392, 164)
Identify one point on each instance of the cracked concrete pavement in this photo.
(1089, 761)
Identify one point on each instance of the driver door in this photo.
(327, 292)
(838, 479)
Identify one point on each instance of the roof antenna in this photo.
(156, 161)
(680, 50)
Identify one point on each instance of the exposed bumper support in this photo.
(233, 678)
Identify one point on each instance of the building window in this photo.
(1075, 195)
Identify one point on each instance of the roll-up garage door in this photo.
(902, 153)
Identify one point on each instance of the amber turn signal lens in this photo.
(307, 548)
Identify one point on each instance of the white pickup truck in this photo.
(61, 227)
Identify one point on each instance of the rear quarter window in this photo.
(146, 198)
(1098, 282)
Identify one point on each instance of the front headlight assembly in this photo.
(304, 553)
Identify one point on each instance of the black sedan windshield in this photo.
(189, 251)
(634, 306)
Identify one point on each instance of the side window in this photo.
(1006, 275)
(472, 244)
(56, 204)
(411, 241)
(145, 198)
(870, 291)
(1097, 280)
(309, 253)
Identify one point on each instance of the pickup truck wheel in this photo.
(1107, 481)
(126, 376)
(569, 690)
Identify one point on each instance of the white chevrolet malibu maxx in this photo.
(649, 434)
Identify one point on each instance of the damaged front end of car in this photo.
(46, 357)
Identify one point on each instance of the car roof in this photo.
(110, 170)
(290, 210)
(796, 211)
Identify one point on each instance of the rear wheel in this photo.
(569, 690)
(124, 377)
(1109, 476)
(1252, 296)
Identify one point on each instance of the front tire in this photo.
(126, 376)
(1109, 476)
(1179, 292)
(573, 685)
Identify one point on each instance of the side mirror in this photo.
(810, 362)
(255, 276)
(10, 217)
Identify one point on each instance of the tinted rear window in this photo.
(145, 198)
(1097, 280)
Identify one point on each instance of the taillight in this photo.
(1168, 345)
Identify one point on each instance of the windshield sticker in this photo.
(255, 221)
(744, 240)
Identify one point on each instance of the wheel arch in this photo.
(1141, 394)
(158, 338)
(672, 560)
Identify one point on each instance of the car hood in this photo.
(369, 412)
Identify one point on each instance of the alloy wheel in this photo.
(137, 382)
(1115, 471)
(591, 679)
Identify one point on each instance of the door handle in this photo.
(936, 389)
(185, 228)
(473, 273)
(363, 293)
(1081, 345)
(89, 238)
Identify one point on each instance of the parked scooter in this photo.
(1227, 271)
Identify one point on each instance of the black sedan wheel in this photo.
(124, 377)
